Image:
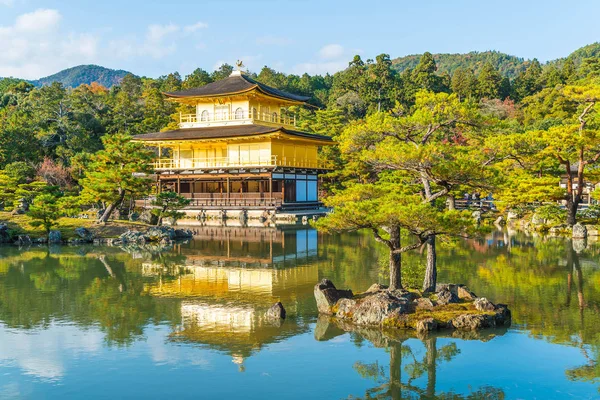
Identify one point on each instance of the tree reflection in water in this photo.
(551, 285)
(405, 367)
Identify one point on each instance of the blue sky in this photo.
(152, 38)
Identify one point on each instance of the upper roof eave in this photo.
(233, 85)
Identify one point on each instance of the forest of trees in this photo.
(409, 142)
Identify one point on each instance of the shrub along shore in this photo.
(12, 227)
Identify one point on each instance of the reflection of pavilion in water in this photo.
(228, 279)
(241, 246)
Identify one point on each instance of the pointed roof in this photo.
(236, 83)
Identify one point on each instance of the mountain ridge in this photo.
(508, 65)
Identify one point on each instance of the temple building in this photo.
(239, 148)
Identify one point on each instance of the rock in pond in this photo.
(402, 309)
(344, 308)
(327, 295)
(275, 312)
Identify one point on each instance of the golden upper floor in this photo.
(236, 100)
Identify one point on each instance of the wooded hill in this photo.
(84, 74)
(508, 66)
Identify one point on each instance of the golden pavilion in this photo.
(239, 149)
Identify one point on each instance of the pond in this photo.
(109, 322)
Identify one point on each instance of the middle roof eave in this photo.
(223, 132)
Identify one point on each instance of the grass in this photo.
(441, 314)
(21, 225)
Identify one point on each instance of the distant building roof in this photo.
(218, 132)
(234, 84)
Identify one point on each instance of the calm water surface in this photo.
(99, 322)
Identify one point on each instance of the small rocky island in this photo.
(450, 307)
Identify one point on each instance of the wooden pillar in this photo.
(270, 187)
(228, 189)
(178, 185)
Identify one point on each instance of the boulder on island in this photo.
(471, 322)
(451, 306)
(376, 308)
(327, 295)
(426, 325)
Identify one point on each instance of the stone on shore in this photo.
(55, 237)
(148, 217)
(327, 295)
(183, 234)
(579, 231)
(4, 234)
(84, 234)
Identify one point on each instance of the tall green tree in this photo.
(489, 82)
(430, 148)
(567, 150)
(168, 205)
(116, 172)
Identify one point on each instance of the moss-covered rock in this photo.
(400, 309)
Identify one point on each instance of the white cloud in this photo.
(331, 51)
(38, 20)
(195, 27)
(35, 46)
(159, 41)
(7, 3)
(157, 33)
(329, 59)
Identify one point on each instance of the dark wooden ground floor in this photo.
(264, 190)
